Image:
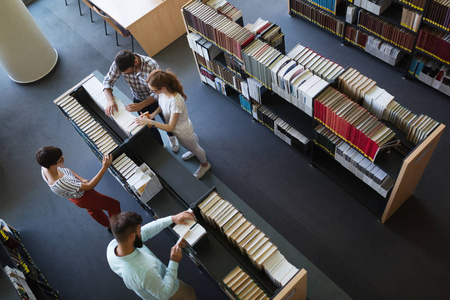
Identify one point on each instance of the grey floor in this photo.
(407, 258)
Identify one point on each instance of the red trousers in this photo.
(95, 203)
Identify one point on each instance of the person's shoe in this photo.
(188, 155)
(201, 171)
(174, 143)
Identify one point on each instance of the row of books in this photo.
(202, 46)
(317, 16)
(379, 102)
(141, 179)
(353, 160)
(216, 27)
(222, 72)
(419, 128)
(385, 30)
(352, 122)
(328, 5)
(315, 63)
(356, 37)
(438, 13)
(259, 58)
(417, 4)
(252, 89)
(267, 32)
(435, 43)
(376, 7)
(207, 76)
(281, 128)
(123, 118)
(234, 65)
(251, 241)
(354, 84)
(299, 87)
(431, 72)
(225, 8)
(243, 286)
(410, 19)
(384, 51)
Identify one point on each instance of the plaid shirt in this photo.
(136, 81)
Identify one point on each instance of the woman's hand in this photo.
(107, 160)
(143, 120)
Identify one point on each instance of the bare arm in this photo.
(107, 160)
(142, 120)
(112, 105)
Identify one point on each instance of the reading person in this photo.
(135, 69)
(68, 184)
(171, 100)
(139, 268)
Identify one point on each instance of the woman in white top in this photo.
(68, 184)
(171, 102)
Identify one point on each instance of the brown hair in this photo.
(159, 79)
(124, 224)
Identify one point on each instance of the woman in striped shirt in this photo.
(68, 184)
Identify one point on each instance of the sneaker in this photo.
(188, 155)
(174, 143)
(201, 171)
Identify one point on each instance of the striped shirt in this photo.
(67, 186)
(136, 81)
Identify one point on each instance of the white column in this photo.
(25, 53)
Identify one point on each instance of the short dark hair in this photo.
(124, 224)
(48, 156)
(124, 60)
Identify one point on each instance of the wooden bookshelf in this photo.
(394, 163)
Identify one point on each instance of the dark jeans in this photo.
(155, 132)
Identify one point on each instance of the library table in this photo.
(153, 23)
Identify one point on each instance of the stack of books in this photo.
(141, 179)
(378, 101)
(435, 43)
(315, 63)
(386, 31)
(438, 14)
(317, 16)
(267, 32)
(352, 123)
(243, 286)
(217, 28)
(356, 36)
(251, 241)
(410, 19)
(431, 72)
(226, 9)
(259, 57)
(353, 161)
(384, 51)
(354, 84)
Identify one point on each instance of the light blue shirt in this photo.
(141, 270)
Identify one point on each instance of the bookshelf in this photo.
(212, 254)
(383, 180)
(14, 254)
(398, 25)
(262, 106)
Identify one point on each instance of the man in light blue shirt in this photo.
(139, 268)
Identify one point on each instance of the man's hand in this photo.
(111, 108)
(134, 107)
(185, 215)
(176, 254)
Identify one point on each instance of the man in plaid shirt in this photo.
(135, 69)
